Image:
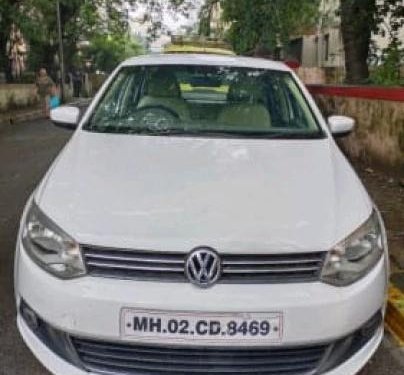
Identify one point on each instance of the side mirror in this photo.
(65, 116)
(341, 126)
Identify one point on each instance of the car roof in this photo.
(206, 59)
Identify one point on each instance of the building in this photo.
(323, 47)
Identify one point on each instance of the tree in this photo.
(389, 60)
(154, 11)
(262, 25)
(205, 17)
(358, 21)
(266, 24)
(81, 20)
(108, 51)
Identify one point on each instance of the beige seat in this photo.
(246, 107)
(162, 89)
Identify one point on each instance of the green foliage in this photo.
(90, 20)
(154, 11)
(264, 23)
(28, 78)
(389, 19)
(108, 51)
(359, 18)
(388, 73)
(81, 20)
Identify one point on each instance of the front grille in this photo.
(159, 266)
(110, 358)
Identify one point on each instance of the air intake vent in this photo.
(110, 358)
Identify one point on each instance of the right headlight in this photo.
(51, 247)
(355, 256)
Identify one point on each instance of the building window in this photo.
(326, 47)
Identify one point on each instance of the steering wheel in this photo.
(155, 117)
(159, 108)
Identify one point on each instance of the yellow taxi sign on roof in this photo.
(198, 45)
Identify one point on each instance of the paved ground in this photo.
(388, 193)
(25, 153)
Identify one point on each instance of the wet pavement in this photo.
(388, 193)
(26, 151)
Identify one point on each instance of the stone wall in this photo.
(379, 134)
(16, 96)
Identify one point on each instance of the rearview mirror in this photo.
(65, 116)
(341, 126)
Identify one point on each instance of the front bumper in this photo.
(90, 307)
(57, 365)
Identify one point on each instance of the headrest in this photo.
(246, 90)
(163, 84)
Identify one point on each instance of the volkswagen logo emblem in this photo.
(203, 267)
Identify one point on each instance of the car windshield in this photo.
(195, 100)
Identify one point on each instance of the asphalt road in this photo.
(26, 151)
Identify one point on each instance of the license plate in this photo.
(222, 328)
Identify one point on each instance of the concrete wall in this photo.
(309, 51)
(312, 76)
(13, 97)
(379, 134)
(321, 76)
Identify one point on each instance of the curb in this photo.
(395, 308)
(7, 119)
(14, 118)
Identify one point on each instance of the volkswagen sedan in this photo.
(201, 220)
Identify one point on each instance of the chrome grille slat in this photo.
(163, 266)
(134, 258)
(134, 267)
(268, 262)
(125, 358)
(269, 270)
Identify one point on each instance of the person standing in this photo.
(77, 78)
(43, 84)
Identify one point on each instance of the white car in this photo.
(201, 220)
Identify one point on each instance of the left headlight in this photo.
(50, 247)
(355, 256)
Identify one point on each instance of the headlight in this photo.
(354, 257)
(50, 247)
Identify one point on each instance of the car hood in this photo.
(177, 193)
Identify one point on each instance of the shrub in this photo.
(388, 72)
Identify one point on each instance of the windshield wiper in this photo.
(282, 135)
(203, 133)
(256, 135)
